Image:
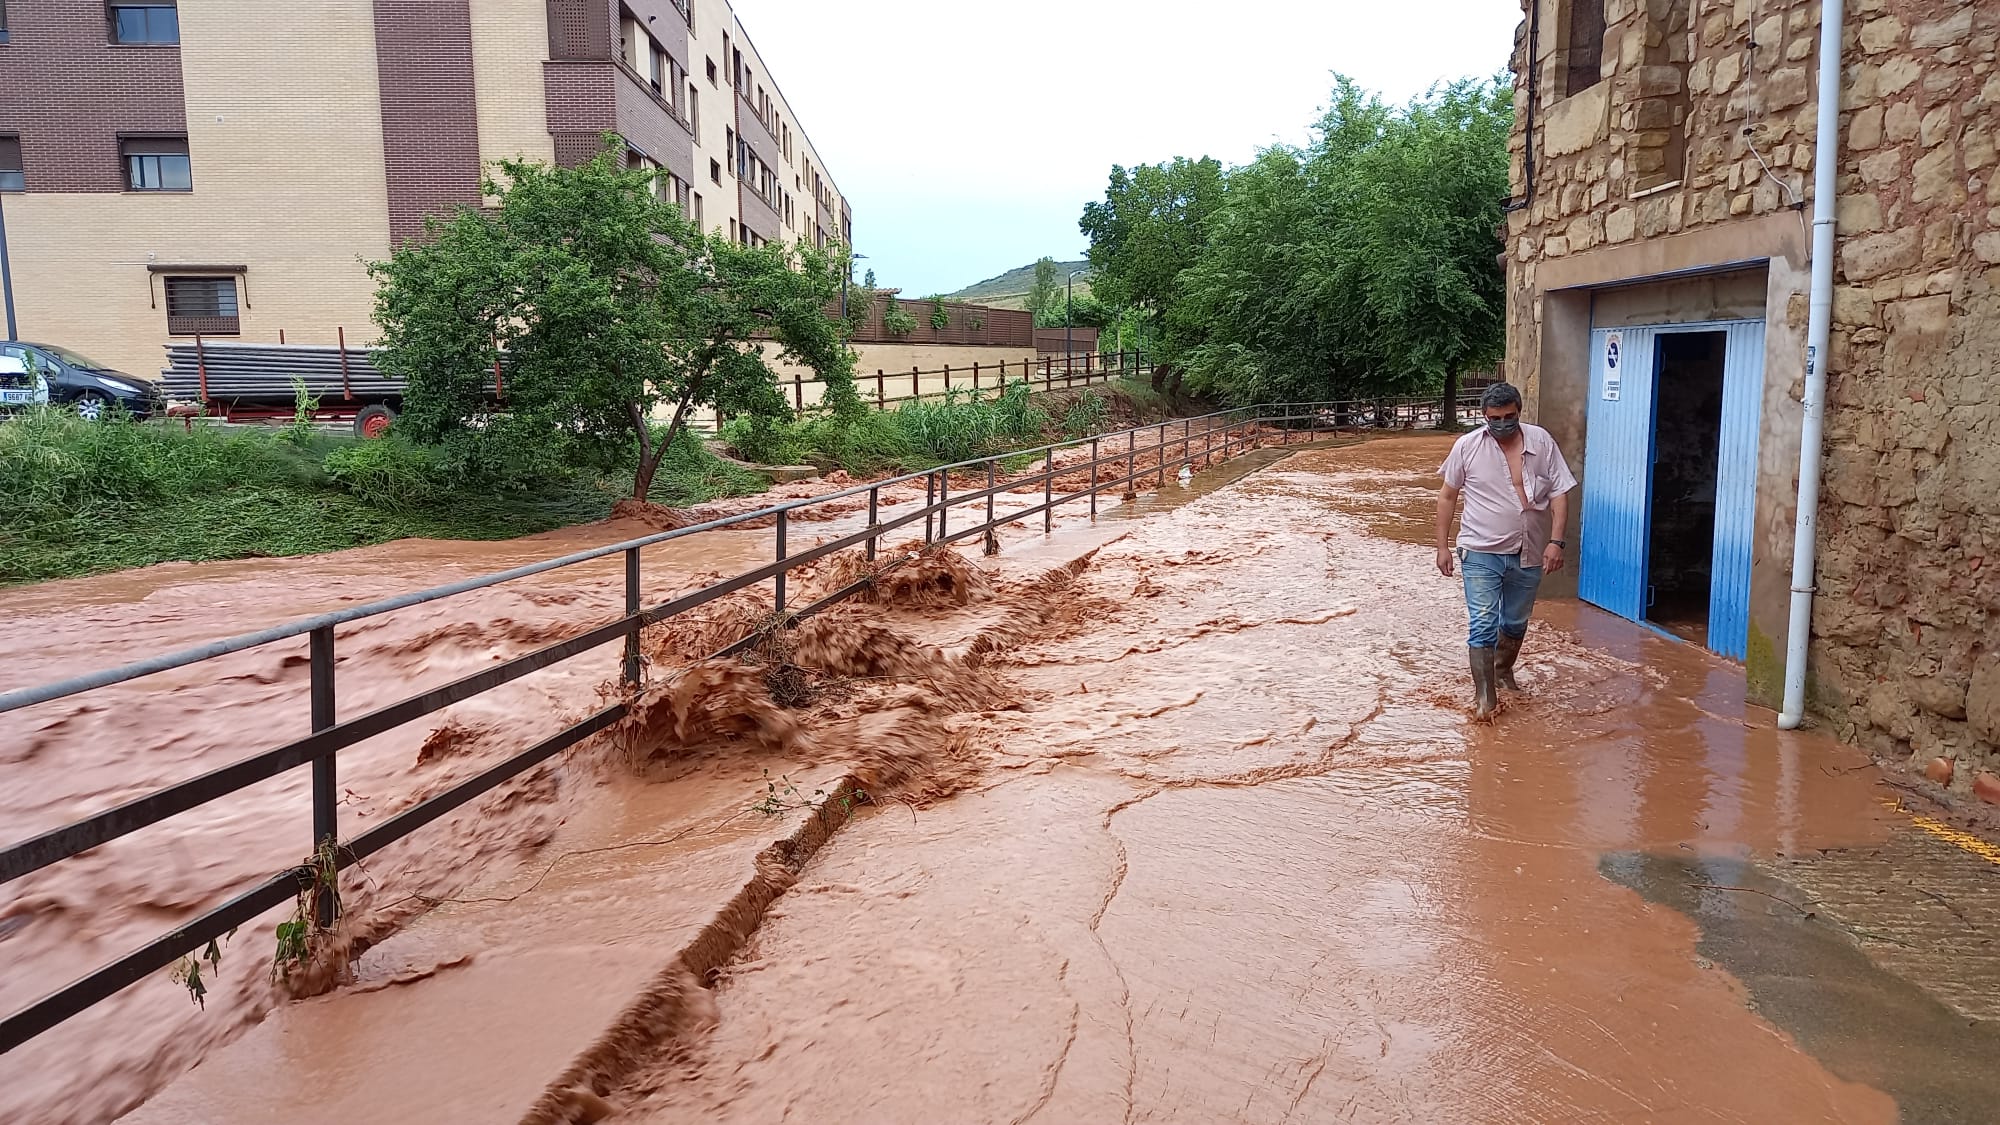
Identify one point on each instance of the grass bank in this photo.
(81, 498)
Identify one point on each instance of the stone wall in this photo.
(1906, 646)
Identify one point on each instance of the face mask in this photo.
(1503, 428)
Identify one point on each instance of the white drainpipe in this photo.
(1819, 326)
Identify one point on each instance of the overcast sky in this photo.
(968, 135)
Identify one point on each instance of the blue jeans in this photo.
(1499, 595)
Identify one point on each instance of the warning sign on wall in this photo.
(1614, 347)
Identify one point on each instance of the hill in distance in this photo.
(1010, 289)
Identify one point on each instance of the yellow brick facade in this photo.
(284, 125)
(509, 40)
(303, 215)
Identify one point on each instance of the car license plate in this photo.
(17, 396)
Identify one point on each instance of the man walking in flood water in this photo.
(1516, 488)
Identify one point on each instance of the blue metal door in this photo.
(1618, 471)
(1736, 490)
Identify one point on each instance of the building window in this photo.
(202, 306)
(715, 171)
(694, 111)
(697, 208)
(711, 73)
(3, 30)
(157, 164)
(154, 22)
(732, 230)
(729, 148)
(1585, 52)
(12, 178)
(659, 70)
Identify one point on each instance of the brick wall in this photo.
(430, 109)
(85, 92)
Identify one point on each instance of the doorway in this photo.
(1670, 478)
(1687, 451)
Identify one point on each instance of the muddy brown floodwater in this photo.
(1242, 858)
(1176, 817)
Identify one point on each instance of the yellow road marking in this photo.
(1964, 841)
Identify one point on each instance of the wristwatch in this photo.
(1563, 543)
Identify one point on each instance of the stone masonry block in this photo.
(1924, 316)
(1856, 214)
(1901, 122)
(1936, 128)
(1657, 81)
(1863, 259)
(1953, 29)
(1854, 306)
(1883, 167)
(1896, 75)
(1786, 87)
(1864, 129)
(1879, 35)
(1935, 178)
(1982, 699)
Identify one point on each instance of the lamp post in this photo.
(1069, 319)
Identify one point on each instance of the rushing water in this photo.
(1197, 830)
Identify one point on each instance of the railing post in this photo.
(992, 532)
(1162, 451)
(975, 378)
(779, 580)
(799, 391)
(944, 504)
(874, 506)
(1131, 466)
(881, 397)
(947, 377)
(930, 502)
(632, 610)
(1093, 478)
(1049, 493)
(326, 794)
(916, 383)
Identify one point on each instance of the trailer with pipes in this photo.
(253, 383)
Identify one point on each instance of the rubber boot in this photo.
(1503, 661)
(1486, 700)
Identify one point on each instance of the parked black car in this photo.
(89, 388)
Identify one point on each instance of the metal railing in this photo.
(1183, 442)
(1042, 374)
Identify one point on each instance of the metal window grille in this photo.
(203, 306)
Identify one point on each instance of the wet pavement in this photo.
(1244, 859)
(1197, 831)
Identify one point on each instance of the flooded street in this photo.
(1175, 815)
(1243, 859)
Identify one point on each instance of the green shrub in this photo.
(1086, 415)
(896, 321)
(391, 473)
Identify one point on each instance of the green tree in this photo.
(1362, 264)
(1045, 288)
(1152, 224)
(604, 308)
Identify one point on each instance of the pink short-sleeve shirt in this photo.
(1494, 521)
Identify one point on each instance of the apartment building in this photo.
(1668, 310)
(228, 168)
